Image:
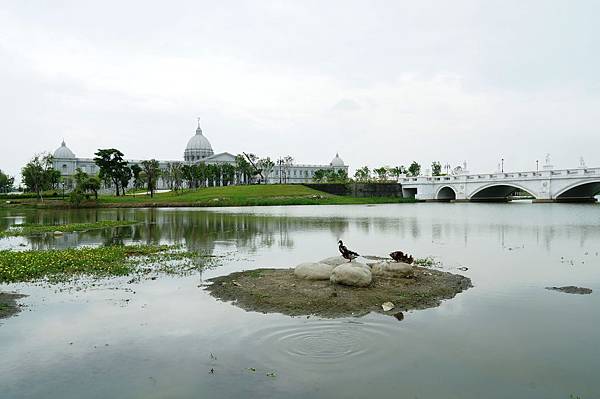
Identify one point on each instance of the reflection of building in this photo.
(198, 150)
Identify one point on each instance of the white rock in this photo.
(334, 261)
(58, 233)
(387, 306)
(313, 271)
(392, 269)
(354, 274)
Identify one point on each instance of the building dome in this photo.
(63, 151)
(337, 161)
(198, 147)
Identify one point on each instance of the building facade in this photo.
(197, 150)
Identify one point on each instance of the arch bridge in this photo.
(566, 185)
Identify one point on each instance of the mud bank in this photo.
(279, 291)
(8, 304)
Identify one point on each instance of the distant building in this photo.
(198, 150)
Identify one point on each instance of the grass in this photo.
(59, 265)
(32, 229)
(245, 195)
(249, 195)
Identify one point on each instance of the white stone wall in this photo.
(298, 173)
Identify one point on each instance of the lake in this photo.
(507, 337)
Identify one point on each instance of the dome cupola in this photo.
(63, 152)
(337, 161)
(198, 147)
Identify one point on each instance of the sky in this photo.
(380, 82)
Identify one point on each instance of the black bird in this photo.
(399, 256)
(346, 253)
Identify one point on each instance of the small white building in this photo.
(198, 149)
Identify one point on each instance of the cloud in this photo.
(381, 84)
(347, 104)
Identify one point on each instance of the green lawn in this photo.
(247, 195)
(272, 194)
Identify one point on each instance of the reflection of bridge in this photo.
(569, 185)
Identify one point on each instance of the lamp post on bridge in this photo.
(537, 165)
(502, 169)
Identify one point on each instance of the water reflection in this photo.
(199, 229)
(499, 339)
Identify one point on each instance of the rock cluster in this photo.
(314, 271)
(392, 269)
(355, 274)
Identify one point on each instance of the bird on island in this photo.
(346, 253)
(399, 256)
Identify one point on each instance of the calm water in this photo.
(507, 337)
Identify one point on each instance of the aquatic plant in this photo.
(58, 265)
(32, 229)
(426, 262)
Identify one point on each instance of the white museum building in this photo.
(198, 150)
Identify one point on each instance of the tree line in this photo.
(38, 175)
(386, 173)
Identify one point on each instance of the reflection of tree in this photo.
(202, 230)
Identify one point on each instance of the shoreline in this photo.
(280, 291)
(59, 204)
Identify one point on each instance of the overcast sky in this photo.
(382, 82)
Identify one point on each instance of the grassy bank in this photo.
(33, 229)
(59, 265)
(251, 195)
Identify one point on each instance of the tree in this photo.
(93, 184)
(319, 175)
(436, 168)
(6, 182)
(135, 171)
(151, 170)
(38, 174)
(112, 165)
(200, 173)
(242, 169)
(267, 167)
(188, 175)
(288, 162)
(382, 173)
(124, 178)
(363, 174)
(397, 171)
(83, 185)
(176, 175)
(341, 176)
(213, 174)
(253, 169)
(80, 177)
(228, 171)
(414, 169)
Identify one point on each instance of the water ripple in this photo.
(323, 341)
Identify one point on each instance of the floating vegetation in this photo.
(427, 262)
(33, 229)
(60, 265)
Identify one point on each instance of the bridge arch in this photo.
(497, 192)
(446, 193)
(580, 191)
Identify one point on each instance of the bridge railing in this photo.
(503, 175)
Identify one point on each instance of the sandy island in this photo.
(280, 291)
